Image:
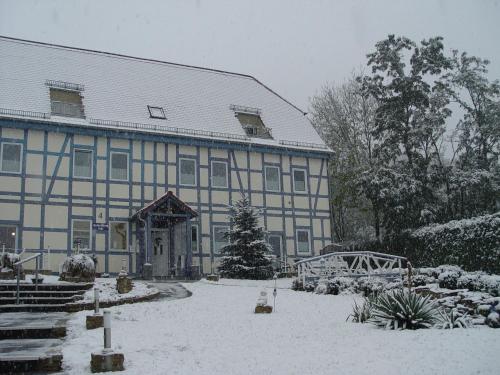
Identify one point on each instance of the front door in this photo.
(160, 254)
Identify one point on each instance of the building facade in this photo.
(88, 139)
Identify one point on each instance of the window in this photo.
(11, 157)
(81, 234)
(119, 166)
(8, 237)
(272, 177)
(66, 103)
(253, 125)
(82, 163)
(299, 180)
(187, 172)
(303, 245)
(194, 239)
(118, 236)
(275, 242)
(219, 240)
(156, 112)
(219, 174)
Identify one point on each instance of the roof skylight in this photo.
(156, 112)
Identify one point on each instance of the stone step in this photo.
(32, 307)
(42, 293)
(26, 325)
(10, 286)
(38, 300)
(30, 355)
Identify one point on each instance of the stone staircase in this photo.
(48, 297)
(31, 332)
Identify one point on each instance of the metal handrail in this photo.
(36, 256)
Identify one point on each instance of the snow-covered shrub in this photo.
(471, 281)
(370, 285)
(7, 268)
(432, 272)
(401, 309)
(421, 280)
(449, 279)
(309, 287)
(297, 284)
(339, 284)
(78, 268)
(393, 285)
(453, 319)
(491, 284)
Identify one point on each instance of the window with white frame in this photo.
(11, 157)
(219, 174)
(299, 180)
(272, 176)
(82, 163)
(82, 233)
(187, 172)
(219, 238)
(303, 241)
(119, 166)
(118, 235)
(194, 239)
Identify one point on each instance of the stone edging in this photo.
(75, 307)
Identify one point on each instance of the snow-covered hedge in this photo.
(474, 244)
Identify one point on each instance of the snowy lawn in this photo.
(216, 332)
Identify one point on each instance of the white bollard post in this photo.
(107, 331)
(96, 300)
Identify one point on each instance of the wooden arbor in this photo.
(163, 229)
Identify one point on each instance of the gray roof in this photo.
(117, 89)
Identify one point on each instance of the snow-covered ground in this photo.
(108, 292)
(216, 332)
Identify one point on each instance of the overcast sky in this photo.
(292, 46)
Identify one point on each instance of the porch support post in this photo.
(189, 255)
(149, 244)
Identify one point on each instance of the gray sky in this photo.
(292, 46)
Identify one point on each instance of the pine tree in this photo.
(245, 257)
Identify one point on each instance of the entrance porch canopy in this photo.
(163, 215)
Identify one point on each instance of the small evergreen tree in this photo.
(245, 257)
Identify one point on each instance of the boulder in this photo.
(123, 284)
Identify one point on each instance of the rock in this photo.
(123, 284)
(263, 309)
(213, 278)
(106, 361)
(493, 320)
(94, 321)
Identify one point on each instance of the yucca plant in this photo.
(362, 313)
(453, 319)
(402, 309)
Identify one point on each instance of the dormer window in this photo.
(156, 112)
(67, 103)
(251, 122)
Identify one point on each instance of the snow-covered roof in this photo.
(117, 90)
